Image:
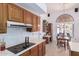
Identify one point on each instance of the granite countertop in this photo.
(8, 53)
(74, 46)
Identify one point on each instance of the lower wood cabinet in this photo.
(38, 50)
(44, 48)
(27, 53)
(34, 51)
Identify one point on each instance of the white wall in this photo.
(16, 35)
(75, 15)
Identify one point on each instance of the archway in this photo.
(65, 25)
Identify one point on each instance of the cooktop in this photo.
(20, 47)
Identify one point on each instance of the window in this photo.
(65, 28)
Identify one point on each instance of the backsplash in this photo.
(16, 35)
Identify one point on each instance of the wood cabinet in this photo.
(36, 23)
(27, 53)
(34, 51)
(38, 50)
(3, 18)
(74, 53)
(34, 27)
(44, 48)
(15, 13)
(38, 20)
(18, 14)
(27, 17)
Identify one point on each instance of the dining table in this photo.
(63, 40)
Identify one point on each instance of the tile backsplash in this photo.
(16, 35)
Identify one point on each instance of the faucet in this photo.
(26, 41)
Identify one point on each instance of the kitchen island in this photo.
(38, 49)
(74, 48)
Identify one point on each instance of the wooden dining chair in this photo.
(61, 42)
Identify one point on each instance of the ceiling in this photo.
(61, 6)
(32, 6)
(51, 7)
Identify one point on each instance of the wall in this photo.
(75, 15)
(16, 35)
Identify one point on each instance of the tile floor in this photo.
(53, 50)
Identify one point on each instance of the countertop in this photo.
(47, 36)
(74, 46)
(8, 53)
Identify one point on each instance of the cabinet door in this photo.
(34, 51)
(40, 48)
(15, 13)
(34, 28)
(3, 18)
(27, 17)
(44, 48)
(38, 23)
(38, 20)
(27, 53)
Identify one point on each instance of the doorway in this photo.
(65, 25)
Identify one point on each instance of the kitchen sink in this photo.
(20, 47)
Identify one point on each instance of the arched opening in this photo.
(65, 25)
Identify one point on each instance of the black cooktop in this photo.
(20, 47)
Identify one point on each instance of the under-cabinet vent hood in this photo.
(11, 23)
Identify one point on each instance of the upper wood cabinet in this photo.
(18, 14)
(38, 18)
(27, 17)
(3, 18)
(44, 48)
(38, 23)
(15, 13)
(34, 27)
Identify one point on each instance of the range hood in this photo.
(11, 23)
